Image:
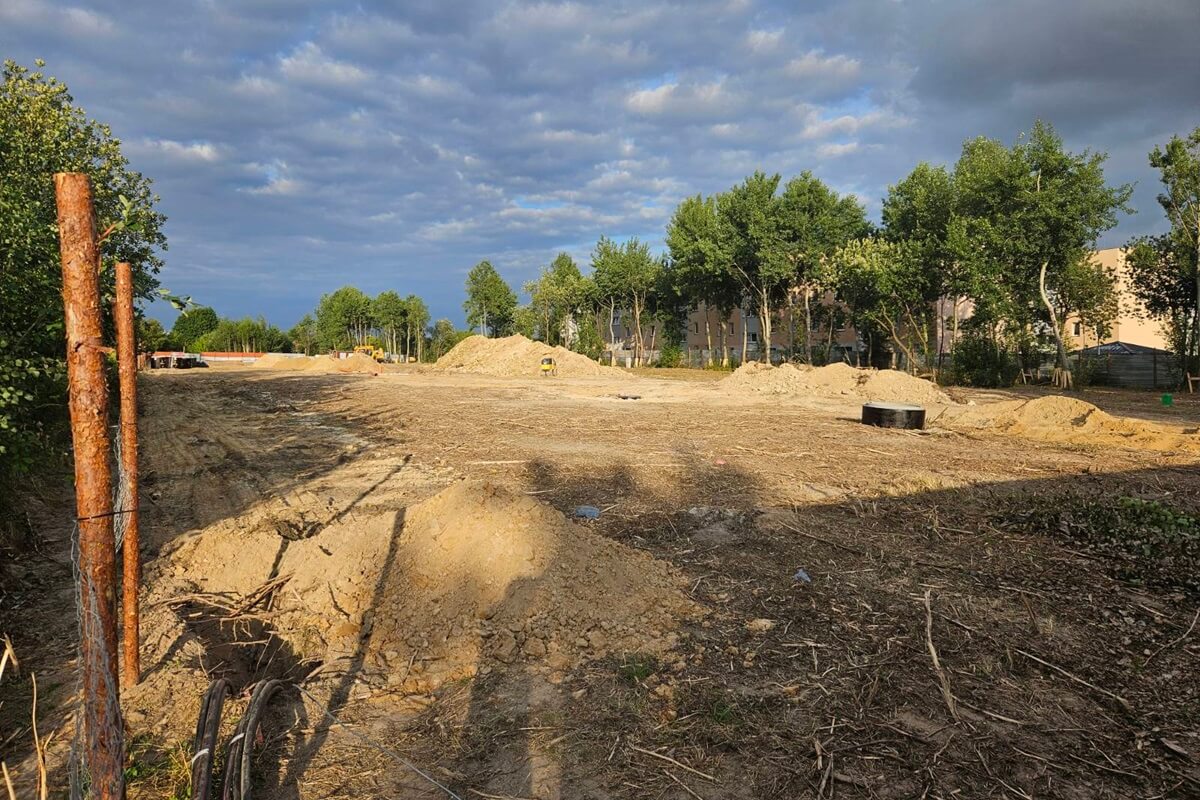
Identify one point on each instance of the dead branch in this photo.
(1124, 703)
(704, 775)
(943, 680)
(1186, 633)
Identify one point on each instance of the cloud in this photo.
(308, 64)
(180, 151)
(396, 144)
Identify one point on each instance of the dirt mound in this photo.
(516, 356)
(358, 363)
(277, 361)
(473, 575)
(835, 380)
(1068, 420)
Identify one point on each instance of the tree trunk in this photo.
(637, 331)
(612, 334)
(724, 343)
(764, 334)
(807, 325)
(1062, 374)
(745, 337)
(707, 337)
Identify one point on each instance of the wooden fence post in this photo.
(88, 402)
(127, 370)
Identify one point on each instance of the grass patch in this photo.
(1148, 542)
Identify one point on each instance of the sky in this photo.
(302, 146)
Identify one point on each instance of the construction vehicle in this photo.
(549, 367)
(374, 352)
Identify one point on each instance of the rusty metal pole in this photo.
(127, 367)
(88, 402)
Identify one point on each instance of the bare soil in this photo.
(775, 577)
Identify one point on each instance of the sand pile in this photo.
(516, 356)
(835, 380)
(475, 575)
(277, 361)
(357, 363)
(1069, 421)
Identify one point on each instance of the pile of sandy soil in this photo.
(358, 363)
(474, 575)
(276, 361)
(516, 356)
(1067, 420)
(835, 380)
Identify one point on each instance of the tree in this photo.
(490, 301)
(192, 324)
(627, 274)
(444, 336)
(1032, 212)
(1178, 165)
(151, 335)
(344, 318)
(391, 315)
(886, 287)
(1161, 276)
(244, 336)
(556, 297)
(698, 268)
(416, 320)
(749, 225)
(812, 222)
(304, 335)
(922, 210)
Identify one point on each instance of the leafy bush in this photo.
(978, 361)
(1150, 542)
(670, 355)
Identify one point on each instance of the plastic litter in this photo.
(801, 576)
(587, 512)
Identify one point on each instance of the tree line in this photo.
(1007, 231)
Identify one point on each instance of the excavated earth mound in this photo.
(1070, 421)
(358, 363)
(835, 380)
(276, 361)
(516, 356)
(474, 576)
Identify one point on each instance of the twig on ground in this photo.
(683, 785)
(947, 694)
(1186, 633)
(681, 765)
(1124, 703)
(822, 540)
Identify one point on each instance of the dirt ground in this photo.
(879, 613)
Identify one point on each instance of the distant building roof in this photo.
(1122, 349)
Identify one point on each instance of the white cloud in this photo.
(309, 64)
(181, 151)
(815, 65)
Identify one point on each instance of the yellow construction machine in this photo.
(374, 352)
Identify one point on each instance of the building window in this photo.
(1078, 328)
(754, 337)
(695, 327)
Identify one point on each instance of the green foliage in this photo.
(192, 324)
(32, 414)
(304, 335)
(670, 355)
(43, 132)
(152, 336)
(525, 321)
(587, 337)
(636, 667)
(490, 301)
(443, 337)
(1149, 542)
(980, 360)
(343, 318)
(626, 277)
(557, 297)
(243, 336)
